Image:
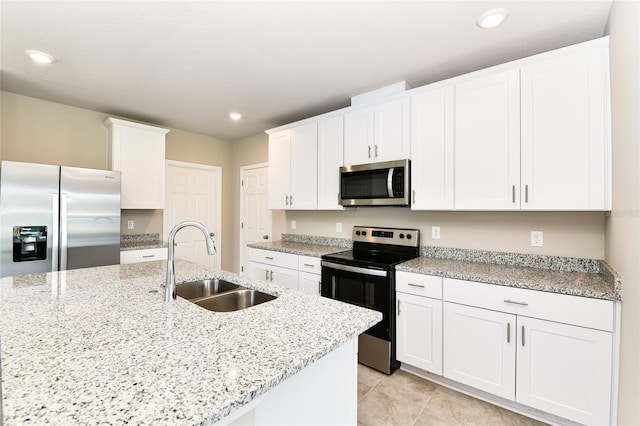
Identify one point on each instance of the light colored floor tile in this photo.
(380, 409)
(407, 387)
(457, 408)
(427, 419)
(501, 416)
(363, 389)
(369, 376)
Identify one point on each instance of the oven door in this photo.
(369, 288)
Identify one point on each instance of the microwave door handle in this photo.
(390, 182)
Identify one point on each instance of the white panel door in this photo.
(391, 131)
(279, 170)
(479, 349)
(432, 150)
(255, 216)
(565, 133)
(564, 370)
(419, 332)
(304, 167)
(194, 192)
(330, 159)
(487, 143)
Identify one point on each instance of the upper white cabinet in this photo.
(137, 151)
(377, 133)
(536, 137)
(487, 142)
(293, 165)
(565, 133)
(330, 159)
(432, 150)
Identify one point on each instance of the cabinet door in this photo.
(358, 137)
(330, 159)
(432, 150)
(419, 332)
(479, 348)
(284, 277)
(279, 170)
(304, 167)
(565, 133)
(487, 143)
(309, 283)
(564, 370)
(391, 131)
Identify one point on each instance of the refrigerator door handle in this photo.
(63, 232)
(55, 233)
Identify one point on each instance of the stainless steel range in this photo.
(365, 276)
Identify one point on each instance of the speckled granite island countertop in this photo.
(99, 346)
(141, 241)
(572, 276)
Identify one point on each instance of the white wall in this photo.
(622, 238)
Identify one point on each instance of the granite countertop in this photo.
(601, 283)
(293, 247)
(141, 241)
(99, 345)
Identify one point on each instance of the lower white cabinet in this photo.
(285, 269)
(563, 368)
(309, 283)
(143, 255)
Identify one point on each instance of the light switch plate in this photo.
(537, 238)
(293, 224)
(435, 232)
(130, 224)
(338, 226)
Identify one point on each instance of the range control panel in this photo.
(396, 236)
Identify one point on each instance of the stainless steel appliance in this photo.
(365, 276)
(377, 184)
(57, 218)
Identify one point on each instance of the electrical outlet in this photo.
(537, 238)
(130, 224)
(435, 232)
(338, 226)
(293, 224)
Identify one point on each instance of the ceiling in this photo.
(187, 64)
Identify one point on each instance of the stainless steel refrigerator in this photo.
(55, 218)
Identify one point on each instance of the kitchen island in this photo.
(99, 345)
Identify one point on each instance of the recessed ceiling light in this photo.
(235, 116)
(40, 57)
(492, 18)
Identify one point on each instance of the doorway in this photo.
(255, 216)
(194, 192)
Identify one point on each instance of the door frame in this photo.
(242, 252)
(166, 228)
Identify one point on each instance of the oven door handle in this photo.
(357, 270)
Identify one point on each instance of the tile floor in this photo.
(404, 399)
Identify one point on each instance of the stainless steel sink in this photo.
(234, 300)
(204, 288)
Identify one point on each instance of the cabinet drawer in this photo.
(309, 264)
(144, 255)
(581, 311)
(419, 284)
(276, 258)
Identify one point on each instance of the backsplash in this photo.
(139, 238)
(323, 241)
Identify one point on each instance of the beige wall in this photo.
(622, 237)
(38, 131)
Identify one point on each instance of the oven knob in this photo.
(401, 236)
(408, 236)
(364, 233)
(357, 232)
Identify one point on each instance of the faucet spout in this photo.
(170, 283)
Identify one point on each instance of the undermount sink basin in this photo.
(204, 288)
(234, 300)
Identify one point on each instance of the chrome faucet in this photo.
(170, 284)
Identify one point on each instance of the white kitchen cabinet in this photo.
(143, 255)
(309, 283)
(419, 321)
(330, 159)
(138, 152)
(548, 351)
(293, 165)
(432, 150)
(275, 267)
(377, 133)
(487, 142)
(565, 133)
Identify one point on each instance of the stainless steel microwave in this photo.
(376, 184)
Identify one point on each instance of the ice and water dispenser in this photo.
(29, 243)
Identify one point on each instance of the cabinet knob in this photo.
(265, 237)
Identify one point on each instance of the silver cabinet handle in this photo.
(416, 285)
(369, 147)
(508, 332)
(271, 258)
(148, 256)
(526, 193)
(319, 287)
(290, 200)
(513, 193)
(376, 152)
(309, 265)
(266, 275)
(398, 308)
(414, 196)
(271, 278)
(523, 335)
(515, 302)
(286, 200)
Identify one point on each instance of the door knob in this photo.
(265, 237)
(212, 234)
